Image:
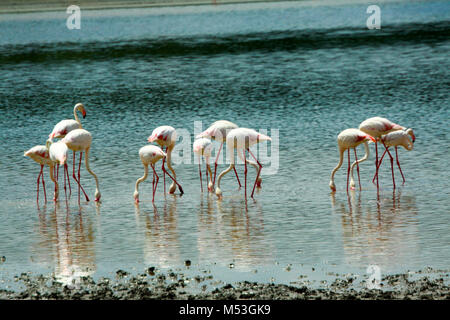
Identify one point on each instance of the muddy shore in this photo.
(152, 284)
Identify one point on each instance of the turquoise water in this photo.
(308, 72)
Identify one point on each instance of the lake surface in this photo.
(303, 72)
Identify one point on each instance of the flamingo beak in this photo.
(371, 138)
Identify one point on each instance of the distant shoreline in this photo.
(21, 6)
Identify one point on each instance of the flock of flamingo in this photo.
(375, 130)
(72, 136)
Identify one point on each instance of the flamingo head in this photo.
(136, 197)
(411, 133)
(80, 106)
(48, 143)
(172, 188)
(332, 186)
(97, 195)
(219, 193)
(369, 138)
(210, 186)
(352, 184)
(258, 182)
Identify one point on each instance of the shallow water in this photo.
(308, 72)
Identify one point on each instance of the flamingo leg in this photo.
(164, 172)
(43, 182)
(245, 175)
(357, 169)
(200, 172)
(57, 172)
(181, 189)
(207, 175)
(78, 182)
(68, 179)
(348, 169)
(79, 175)
(237, 177)
(392, 165)
(39, 177)
(64, 174)
(376, 162)
(259, 171)
(379, 164)
(398, 164)
(215, 165)
(153, 183)
(156, 183)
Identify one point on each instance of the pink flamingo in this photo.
(39, 154)
(166, 136)
(65, 126)
(402, 138)
(350, 139)
(241, 139)
(202, 147)
(376, 127)
(58, 156)
(150, 155)
(80, 140)
(218, 131)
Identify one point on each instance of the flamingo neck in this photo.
(138, 181)
(366, 156)
(341, 160)
(76, 116)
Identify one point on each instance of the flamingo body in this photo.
(350, 139)
(65, 126)
(241, 139)
(166, 136)
(58, 155)
(150, 155)
(378, 126)
(80, 140)
(39, 154)
(218, 130)
(403, 138)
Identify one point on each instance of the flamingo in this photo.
(350, 139)
(202, 147)
(58, 156)
(376, 127)
(242, 139)
(404, 138)
(166, 136)
(80, 140)
(39, 154)
(218, 131)
(150, 155)
(65, 126)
